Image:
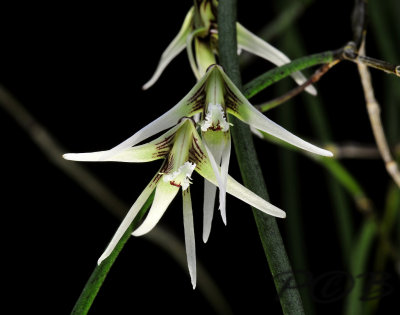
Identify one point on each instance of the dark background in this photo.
(79, 68)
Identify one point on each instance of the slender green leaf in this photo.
(272, 76)
(100, 272)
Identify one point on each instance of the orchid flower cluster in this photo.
(203, 145)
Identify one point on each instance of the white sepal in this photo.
(226, 155)
(165, 193)
(190, 243)
(173, 49)
(127, 221)
(208, 208)
(187, 107)
(147, 152)
(246, 195)
(250, 115)
(237, 190)
(216, 168)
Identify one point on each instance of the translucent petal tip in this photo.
(101, 260)
(312, 90)
(281, 215)
(326, 153)
(72, 156)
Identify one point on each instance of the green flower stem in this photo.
(383, 249)
(347, 181)
(359, 259)
(321, 128)
(294, 224)
(99, 274)
(272, 76)
(337, 184)
(383, 20)
(267, 226)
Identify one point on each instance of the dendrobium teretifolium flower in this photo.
(215, 96)
(200, 29)
(183, 152)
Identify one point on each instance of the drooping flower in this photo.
(215, 96)
(200, 29)
(183, 152)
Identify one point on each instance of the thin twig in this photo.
(375, 119)
(94, 187)
(350, 53)
(354, 151)
(297, 90)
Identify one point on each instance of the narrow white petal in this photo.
(84, 157)
(189, 235)
(226, 155)
(208, 209)
(165, 121)
(237, 190)
(128, 155)
(246, 195)
(133, 211)
(256, 132)
(250, 115)
(151, 151)
(173, 49)
(165, 193)
(256, 119)
(257, 46)
(187, 107)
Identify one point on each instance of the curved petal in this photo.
(246, 195)
(154, 150)
(246, 112)
(165, 193)
(173, 49)
(127, 221)
(188, 227)
(257, 46)
(226, 155)
(204, 168)
(190, 105)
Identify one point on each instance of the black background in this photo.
(79, 68)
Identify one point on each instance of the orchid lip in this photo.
(215, 119)
(181, 177)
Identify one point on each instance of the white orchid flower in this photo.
(215, 96)
(183, 152)
(200, 29)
